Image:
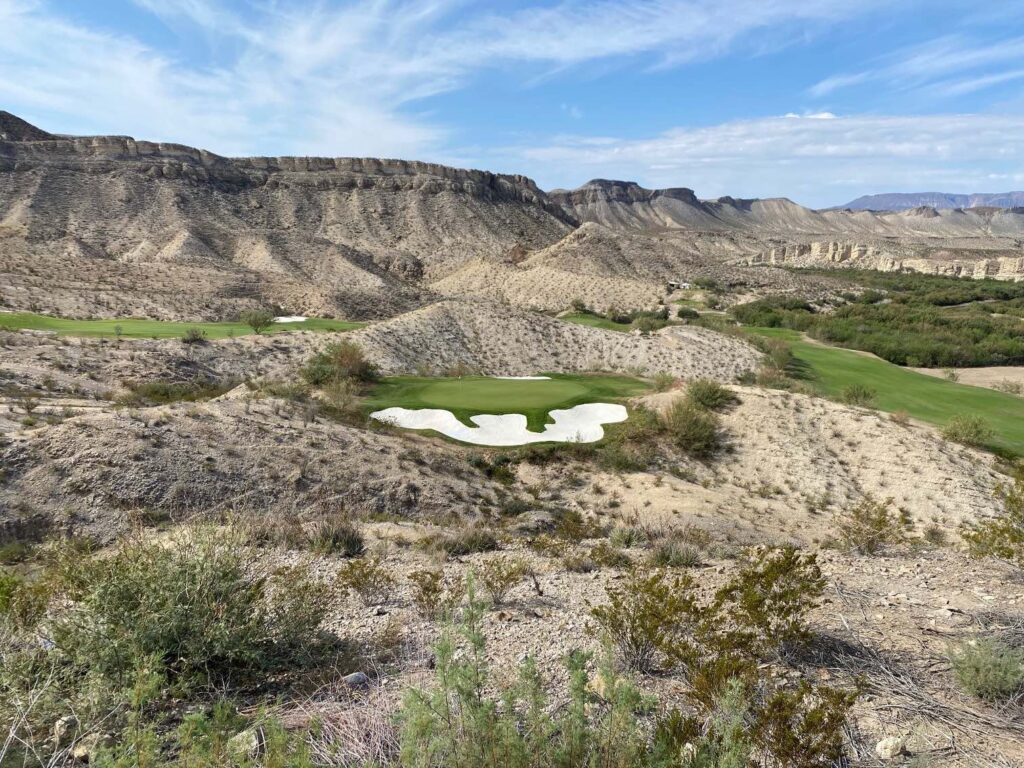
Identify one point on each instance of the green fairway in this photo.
(134, 328)
(936, 401)
(472, 395)
(596, 321)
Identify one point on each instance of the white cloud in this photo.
(937, 67)
(818, 161)
(341, 79)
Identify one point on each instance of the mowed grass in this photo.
(594, 321)
(932, 400)
(473, 395)
(135, 328)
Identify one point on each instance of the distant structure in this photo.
(676, 285)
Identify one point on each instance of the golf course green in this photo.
(135, 328)
(473, 395)
(930, 399)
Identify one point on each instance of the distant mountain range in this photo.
(901, 201)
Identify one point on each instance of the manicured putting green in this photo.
(136, 328)
(473, 395)
(933, 400)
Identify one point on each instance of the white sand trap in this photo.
(291, 319)
(523, 378)
(580, 424)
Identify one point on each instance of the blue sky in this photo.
(816, 100)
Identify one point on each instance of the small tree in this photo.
(258, 319)
(341, 361)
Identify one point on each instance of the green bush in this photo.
(368, 578)
(460, 722)
(499, 575)
(1002, 537)
(686, 313)
(858, 394)
(870, 527)
(431, 596)
(644, 615)
(205, 605)
(989, 669)
(462, 542)
(340, 361)
(693, 430)
(257, 319)
(675, 554)
(194, 336)
(969, 430)
(709, 394)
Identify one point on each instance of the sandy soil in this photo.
(1001, 377)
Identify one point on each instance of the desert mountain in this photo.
(132, 223)
(901, 201)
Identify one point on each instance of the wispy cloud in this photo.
(946, 66)
(344, 78)
(819, 161)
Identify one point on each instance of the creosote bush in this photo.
(969, 430)
(858, 394)
(1002, 537)
(339, 361)
(499, 575)
(871, 527)
(368, 578)
(710, 395)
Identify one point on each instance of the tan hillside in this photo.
(495, 339)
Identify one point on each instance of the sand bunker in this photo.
(523, 378)
(291, 319)
(580, 424)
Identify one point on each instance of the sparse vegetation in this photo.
(339, 361)
(1002, 537)
(870, 527)
(858, 394)
(989, 669)
(710, 395)
(368, 578)
(258, 320)
(968, 429)
(694, 430)
(499, 575)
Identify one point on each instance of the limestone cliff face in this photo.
(833, 254)
(174, 231)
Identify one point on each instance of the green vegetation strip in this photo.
(932, 400)
(473, 395)
(134, 328)
(596, 321)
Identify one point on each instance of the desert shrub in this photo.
(870, 526)
(709, 394)
(194, 336)
(499, 575)
(501, 467)
(686, 313)
(160, 392)
(857, 394)
(767, 600)
(646, 324)
(336, 535)
(462, 542)
(14, 552)
(663, 382)
(675, 554)
(989, 669)
(604, 555)
(431, 596)
(693, 430)
(339, 361)
(573, 525)
(643, 616)
(257, 319)
(802, 726)
(969, 430)
(368, 578)
(200, 609)
(900, 417)
(1002, 537)
(460, 722)
(628, 536)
